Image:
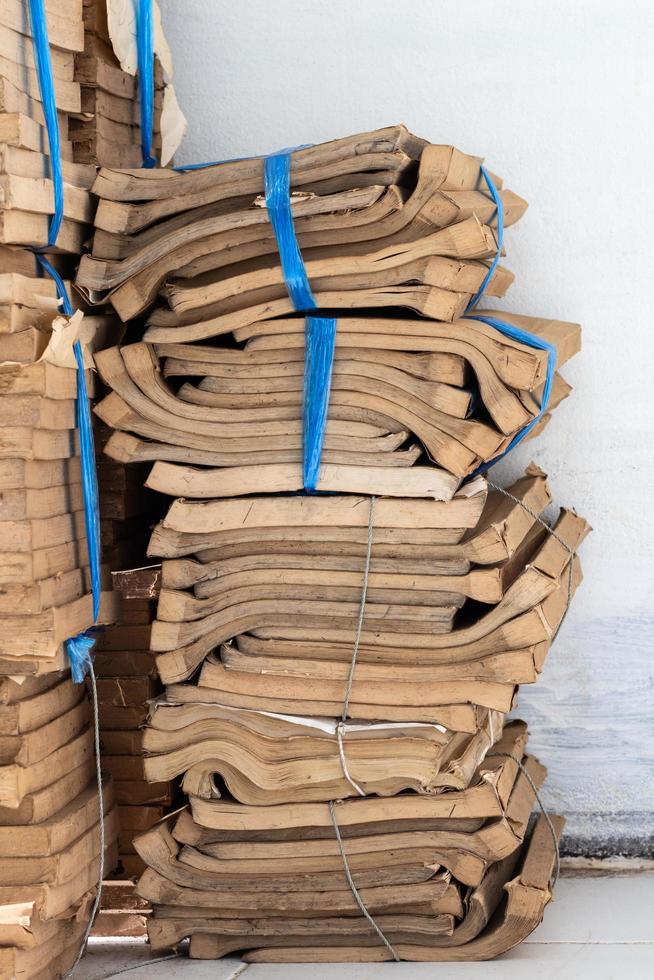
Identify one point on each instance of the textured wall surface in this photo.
(557, 96)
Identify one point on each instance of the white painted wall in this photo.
(558, 97)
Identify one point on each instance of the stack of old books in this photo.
(45, 592)
(338, 665)
(49, 823)
(27, 190)
(127, 682)
(107, 131)
(49, 804)
(263, 595)
(431, 869)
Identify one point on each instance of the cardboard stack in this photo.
(338, 665)
(49, 806)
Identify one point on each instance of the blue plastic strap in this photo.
(64, 298)
(277, 182)
(145, 52)
(319, 341)
(43, 65)
(515, 333)
(319, 332)
(89, 478)
(499, 210)
(78, 647)
(184, 167)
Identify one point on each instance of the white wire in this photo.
(98, 772)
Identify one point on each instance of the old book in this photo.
(43, 804)
(65, 26)
(42, 700)
(53, 900)
(22, 193)
(51, 957)
(52, 836)
(191, 627)
(486, 797)
(67, 93)
(34, 643)
(250, 751)
(208, 424)
(28, 761)
(36, 165)
(518, 914)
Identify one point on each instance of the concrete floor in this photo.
(600, 928)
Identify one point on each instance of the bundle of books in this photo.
(49, 823)
(45, 590)
(338, 666)
(197, 252)
(25, 166)
(127, 681)
(432, 871)
(49, 807)
(107, 131)
(49, 801)
(462, 601)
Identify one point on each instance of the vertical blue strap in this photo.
(320, 332)
(43, 63)
(515, 333)
(89, 478)
(64, 298)
(277, 182)
(78, 647)
(145, 52)
(499, 210)
(320, 337)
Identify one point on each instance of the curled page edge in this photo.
(121, 20)
(173, 125)
(326, 725)
(64, 331)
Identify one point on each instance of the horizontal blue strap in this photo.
(184, 167)
(531, 340)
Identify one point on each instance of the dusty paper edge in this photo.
(64, 332)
